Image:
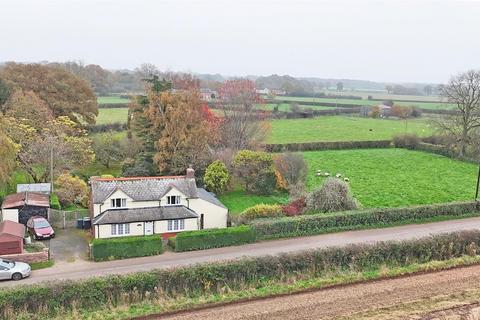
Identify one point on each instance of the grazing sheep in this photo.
(338, 175)
(346, 179)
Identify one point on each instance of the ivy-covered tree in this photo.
(216, 177)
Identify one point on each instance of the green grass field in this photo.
(343, 128)
(364, 102)
(396, 177)
(112, 99)
(112, 115)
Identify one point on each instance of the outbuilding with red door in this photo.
(11, 237)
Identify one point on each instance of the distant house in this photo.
(279, 92)
(264, 91)
(166, 205)
(19, 207)
(35, 187)
(208, 95)
(11, 237)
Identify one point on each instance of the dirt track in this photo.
(452, 294)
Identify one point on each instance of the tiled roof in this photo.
(26, 198)
(210, 197)
(142, 188)
(34, 187)
(144, 214)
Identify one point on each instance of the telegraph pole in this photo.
(478, 182)
(51, 169)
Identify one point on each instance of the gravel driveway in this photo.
(69, 245)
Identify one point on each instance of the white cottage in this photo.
(138, 206)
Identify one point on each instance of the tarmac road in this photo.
(85, 269)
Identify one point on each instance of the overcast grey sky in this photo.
(417, 41)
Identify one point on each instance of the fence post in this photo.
(64, 222)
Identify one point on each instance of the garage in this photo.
(28, 204)
(11, 237)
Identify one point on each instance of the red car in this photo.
(39, 228)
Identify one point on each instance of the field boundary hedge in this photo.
(49, 299)
(212, 238)
(116, 126)
(325, 145)
(319, 223)
(126, 247)
(112, 105)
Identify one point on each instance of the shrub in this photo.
(349, 220)
(416, 112)
(281, 183)
(333, 195)
(213, 238)
(375, 112)
(294, 208)
(216, 177)
(262, 211)
(256, 170)
(292, 167)
(408, 140)
(50, 299)
(126, 247)
(401, 112)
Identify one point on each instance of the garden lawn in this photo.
(112, 115)
(112, 99)
(364, 102)
(396, 177)
(238, 200)
(343, 128)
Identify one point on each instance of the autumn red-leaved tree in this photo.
(243, 127)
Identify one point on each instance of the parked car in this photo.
(39, 228)
(11, 270)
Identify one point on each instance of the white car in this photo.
(11, 270)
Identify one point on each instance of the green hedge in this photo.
(348, 220)
(336, 145)
(54, 202)
(126, 247)
(49, 299)
(213, 238)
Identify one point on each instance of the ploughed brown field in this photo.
(445, 295)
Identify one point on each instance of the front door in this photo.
(202, 221)
(148, 228)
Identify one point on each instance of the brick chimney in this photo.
(190, 173)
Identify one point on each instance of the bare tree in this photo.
(243, 126)
(463, 90)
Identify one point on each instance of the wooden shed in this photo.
(29, 204)
(11, 237)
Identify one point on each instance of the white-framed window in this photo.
(118, 203)
(176, 224)
(120, 229)
(173, 200)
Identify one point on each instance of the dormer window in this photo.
(173, 200)
(119, 203)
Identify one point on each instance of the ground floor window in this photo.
(120, 229)
(176, 224)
